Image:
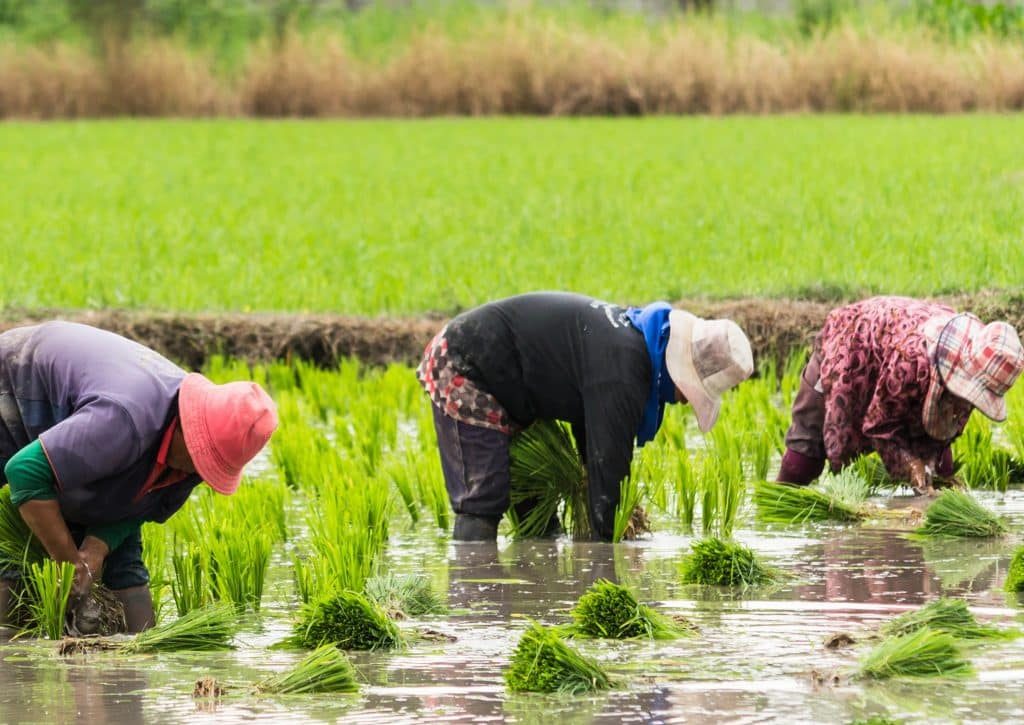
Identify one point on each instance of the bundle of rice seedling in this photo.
(724, 563)
(922, 653)
(1015, 575)
(957, 513)
(546, 474)
(846, 486)
(349, 620)
(944, 615)
(208, 628)
(325, 669)
(543, 662)
(612, 611)
(784, 503)
(47, 590)
(405, 595)
(100, 613)
(19, 548)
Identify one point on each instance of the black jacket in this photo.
(553, 355)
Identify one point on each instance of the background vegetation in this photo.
(76, 58)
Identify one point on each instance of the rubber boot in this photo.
(6, 602)
(799, 469)
(475, 528)
(138, 607)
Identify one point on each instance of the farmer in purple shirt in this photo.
(901, 377)
(99, 434)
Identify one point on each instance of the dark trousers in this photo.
(475, 461)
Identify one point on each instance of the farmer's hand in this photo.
(921, 478)
(89, 565)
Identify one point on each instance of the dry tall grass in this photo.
(523, 68)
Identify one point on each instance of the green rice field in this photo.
(405, 217)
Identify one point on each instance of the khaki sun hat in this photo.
(975, 362)
(704, 359)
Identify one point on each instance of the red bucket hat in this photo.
(975, 362)
(224, 426)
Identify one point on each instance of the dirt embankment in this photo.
(775, 328)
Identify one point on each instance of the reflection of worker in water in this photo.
(606, 370)
(99, 434)
(901, 377)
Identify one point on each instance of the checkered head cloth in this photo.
(976, 362)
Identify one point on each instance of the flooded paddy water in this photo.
(356, 446)
(751, 662)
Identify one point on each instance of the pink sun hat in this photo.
(224, 427)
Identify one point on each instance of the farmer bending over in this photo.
(99, 434)
(901, 377)
(606, 370)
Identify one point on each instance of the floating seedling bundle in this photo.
(1015, 575)
(718, 562)
(945, 615)
(957, 513)
(206, 629)
(612, 611)
(349, 620)
(325, 669)
(405, 595)
(924, 652)
(788, 504)
(543, 662)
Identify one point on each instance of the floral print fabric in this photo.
(875, 373)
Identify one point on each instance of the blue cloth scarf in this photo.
(652, 321)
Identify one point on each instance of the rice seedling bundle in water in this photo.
(718, 562)
(788, 504)
(957, 513)
(546, 471)
(612, 611)
(47, 589)
(209, 628)
(405, 595)
(1015, 575)
(944, 615)
(191, 586)
(325, 669)
(238, 563)
(543, 662)
(349, 620)
(922, 653)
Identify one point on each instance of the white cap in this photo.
(704, 359)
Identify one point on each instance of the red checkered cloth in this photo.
(455, 394)
(975, 362)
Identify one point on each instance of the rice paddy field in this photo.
(329, 589)
(385, 217)
(349, 499)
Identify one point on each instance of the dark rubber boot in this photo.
(799, 469)
(475, 528)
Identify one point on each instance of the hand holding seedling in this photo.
(89, 564)
(921, 478)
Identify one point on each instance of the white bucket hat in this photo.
(704, 359)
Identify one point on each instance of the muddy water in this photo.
(750, 663)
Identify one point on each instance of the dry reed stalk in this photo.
(527, 67)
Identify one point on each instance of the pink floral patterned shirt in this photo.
(875, 372)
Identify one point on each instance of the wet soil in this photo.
(776, 327)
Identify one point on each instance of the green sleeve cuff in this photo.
(114, 534)
(29, 475)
